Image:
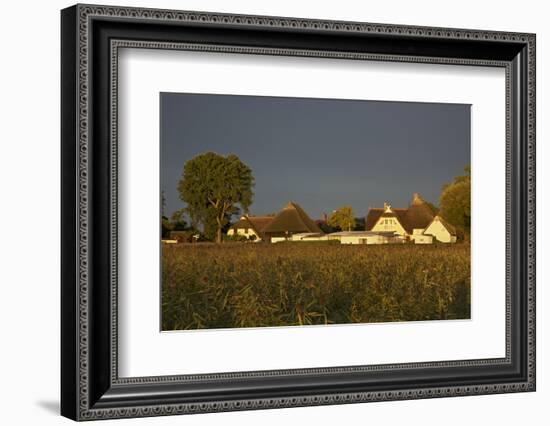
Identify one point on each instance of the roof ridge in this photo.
(299, 219)
(289, 205)
(393, 208)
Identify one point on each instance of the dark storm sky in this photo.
(320, 153)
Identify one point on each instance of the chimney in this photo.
(325, 217)
(387, 207)
(417, 199)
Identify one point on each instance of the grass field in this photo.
(254, 285)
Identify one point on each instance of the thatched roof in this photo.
(257, 223)
(291, 219)
(260, 222)
(418, 215)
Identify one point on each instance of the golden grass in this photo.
(254, 285)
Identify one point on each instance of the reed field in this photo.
(283, 284)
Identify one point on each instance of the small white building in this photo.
(309, 236)
(366, 237)
(418, 237)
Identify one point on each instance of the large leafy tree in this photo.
(342, 218)
(455, 201)
(215, 187)
(210, 223)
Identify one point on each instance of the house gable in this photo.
(389, 222)
(415, 217)
(441, 230)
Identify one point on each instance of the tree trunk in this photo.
(219, 222)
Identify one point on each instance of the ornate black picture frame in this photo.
(91, 36)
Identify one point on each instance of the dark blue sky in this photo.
(320, 153)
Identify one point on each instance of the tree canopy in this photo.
(214, 187)
(455, 203)
(342, 218)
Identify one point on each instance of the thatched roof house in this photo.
(418, 215)
(418, 222)
(292, 219)
(251, 227)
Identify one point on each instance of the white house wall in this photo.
(366, 239)
(245, 232)
(394, 226)
(422, 239)
(351, 240)
(440, 233)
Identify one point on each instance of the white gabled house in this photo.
(250, 227)
(417, 223)
(441, 230)
(390, 221)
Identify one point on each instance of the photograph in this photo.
(279, 211)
